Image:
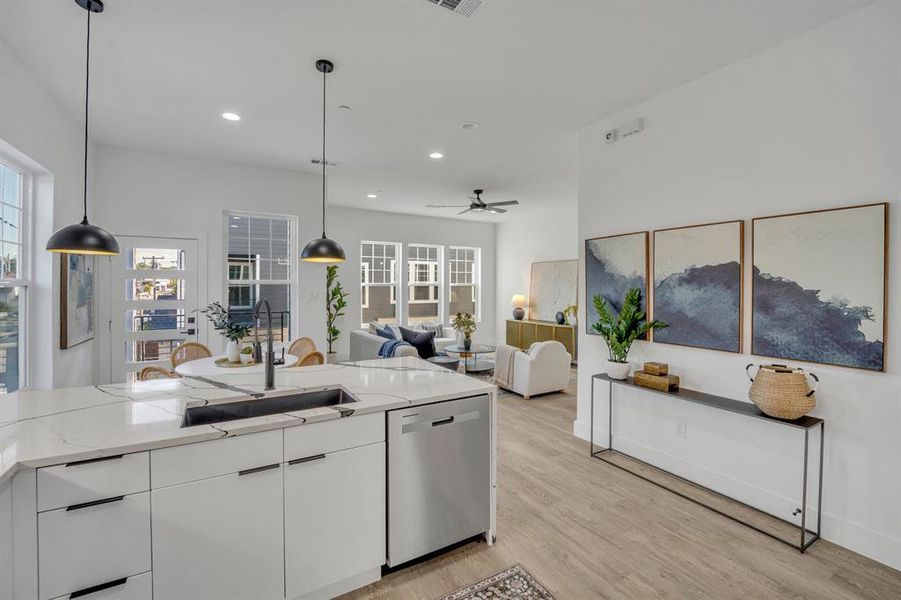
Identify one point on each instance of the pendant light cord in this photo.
(87, 80)
(324, 162)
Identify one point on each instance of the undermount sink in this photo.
(259, 407)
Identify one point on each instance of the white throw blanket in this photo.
(503, 365)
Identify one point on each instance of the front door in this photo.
(152, 302)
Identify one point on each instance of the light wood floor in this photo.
(586, 529)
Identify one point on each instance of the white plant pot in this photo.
(331, 358)
(233, 351)
(617, 370)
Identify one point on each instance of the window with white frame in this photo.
(15, 195)
(463, 266)
(378, 281)
(261, 265)
(423, 282)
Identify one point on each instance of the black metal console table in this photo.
(805, 424)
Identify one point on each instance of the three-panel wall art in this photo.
(818, 284)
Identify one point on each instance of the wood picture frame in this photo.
(843, 302)
(76, 300)
(634, 269)
(700, 294)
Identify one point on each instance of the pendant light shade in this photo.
(323, 250)
(84, 238)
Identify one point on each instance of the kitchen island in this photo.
(104, 486)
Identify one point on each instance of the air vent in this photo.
(466, 8)
(318, 161)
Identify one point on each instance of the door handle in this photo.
(94, 503)
(258, 469)
(440, 422)
(298, 461)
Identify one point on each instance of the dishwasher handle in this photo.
(448, 420)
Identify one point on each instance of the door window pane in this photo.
(155, 289)
(154, 319)
(156, 258)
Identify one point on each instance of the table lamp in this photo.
(518, 301)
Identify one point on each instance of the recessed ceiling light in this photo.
(372, 195)
(470, 125)
(230, 116)
(436, 155)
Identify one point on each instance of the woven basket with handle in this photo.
(782, 392)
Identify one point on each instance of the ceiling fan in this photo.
(478, 205)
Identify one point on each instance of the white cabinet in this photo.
(334, 519)
(87, 545)
(220, 538)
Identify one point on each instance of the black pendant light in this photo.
(84, 238)
(323, 250)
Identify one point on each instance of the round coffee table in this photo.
(448, 362)
(471, 361)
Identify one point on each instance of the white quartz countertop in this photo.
(41, 428)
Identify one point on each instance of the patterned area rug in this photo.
(509, 584)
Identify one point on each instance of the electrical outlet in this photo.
(681, 429)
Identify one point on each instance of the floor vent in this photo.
(466, 8)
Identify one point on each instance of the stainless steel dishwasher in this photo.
(439, 476)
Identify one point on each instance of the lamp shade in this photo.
(519, 300)
(83, 238)
(323, 250)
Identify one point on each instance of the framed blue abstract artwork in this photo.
(698, 285)
(819, 286)
(613, 265)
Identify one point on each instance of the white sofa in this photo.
(544, 368)
(364, 345)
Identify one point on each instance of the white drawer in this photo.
(85, 481)
(172, 466)
(92, 545)
(330, 436)
(139, 587)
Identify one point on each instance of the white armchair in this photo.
(545, 368)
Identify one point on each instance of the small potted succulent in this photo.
(622, 330)
(232, 331)
(465, 324)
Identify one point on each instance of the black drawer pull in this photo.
(258, 469)
(297, 461)
(94, 503)
(96, 588)
(446, 421)
(93, 460)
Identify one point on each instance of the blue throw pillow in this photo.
(423, 341)
(386, 332)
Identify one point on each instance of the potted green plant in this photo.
(465, 323)
(570, 314)
(232, 331)
(335, 303)
(622, 330)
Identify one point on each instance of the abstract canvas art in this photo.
(76, 300)
(697, 285)
(553, 286)
(613, 265)
(819, 286)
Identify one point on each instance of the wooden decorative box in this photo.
(656, 368)
(664, 383)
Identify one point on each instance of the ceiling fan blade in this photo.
(506, 203)
(446, 205)
(497, 211)
(463, 212)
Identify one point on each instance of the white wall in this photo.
(51, 144)
(545, 232)
(812, 123)
(142, 192)
(351, 226)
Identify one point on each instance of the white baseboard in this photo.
(873, 544)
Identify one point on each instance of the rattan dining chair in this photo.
(189, 351)
(148, 373)
(301, 347)
(310, 359)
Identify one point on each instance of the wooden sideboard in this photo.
(522, 334)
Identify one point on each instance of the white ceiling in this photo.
(531, 73)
